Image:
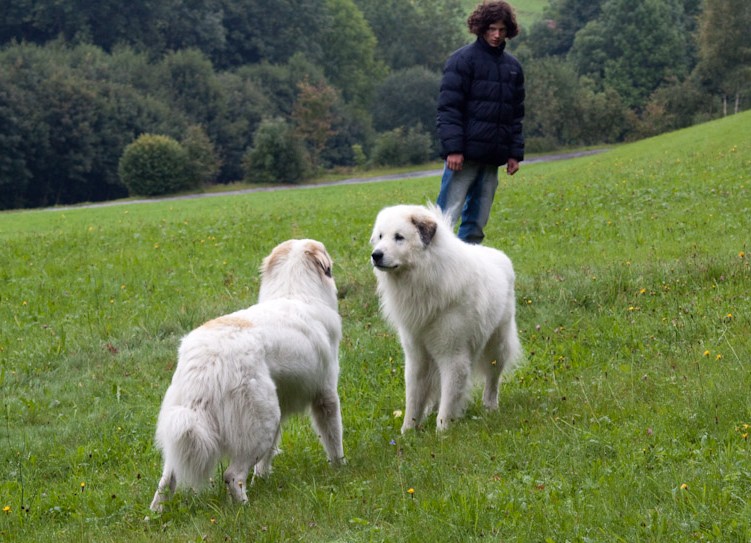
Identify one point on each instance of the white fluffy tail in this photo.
(190, 446)
(511, 349)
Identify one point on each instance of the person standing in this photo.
(479, 119)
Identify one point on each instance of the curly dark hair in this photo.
(487, 13)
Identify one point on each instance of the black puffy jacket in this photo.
(481, 105)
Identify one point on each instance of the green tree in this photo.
(277, 155)
(280, 82)
(551, 104)
(591, 50)
(658, 54)
(725, 49)
(202, 161)
(352, 126)
(402, 146)
(246, 105)
(407, 98)
(313, 115)
(67, 108)
(416, 33)
(554, 33)
(259, 30)
(17, 138)
(348, 46)
(103, 23)
(189, 84)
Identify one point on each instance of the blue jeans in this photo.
(469, 192)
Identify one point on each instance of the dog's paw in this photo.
(262, 470)
(236, 489)
(408, 425)
(442, 424)
(338, 462)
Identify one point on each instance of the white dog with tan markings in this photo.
(238, 376)
(453, 305)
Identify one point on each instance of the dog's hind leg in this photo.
(491, 369)
(501, 355)
(327, 421)
(258, 449)
(165, 489)
(263, 467)
(251, 437)
(490, 366)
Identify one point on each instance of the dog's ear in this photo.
(426, 226)
(319, 257)
(277, 256)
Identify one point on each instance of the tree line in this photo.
(277, 90)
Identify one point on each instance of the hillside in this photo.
(629, 420)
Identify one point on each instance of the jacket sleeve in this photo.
(452, 105)
(516, 149)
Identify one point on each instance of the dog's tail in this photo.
(189, 443)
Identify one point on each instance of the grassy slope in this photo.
(627, 423)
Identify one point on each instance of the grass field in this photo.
(628, 422)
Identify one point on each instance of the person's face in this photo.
(495, 35)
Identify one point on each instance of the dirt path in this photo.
(352, 181)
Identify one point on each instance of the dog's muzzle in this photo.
(377, 259)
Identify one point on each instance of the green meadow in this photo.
(629, 420)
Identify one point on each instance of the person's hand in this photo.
(512, 166)
(454, 161)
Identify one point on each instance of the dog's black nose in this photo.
(376, 256)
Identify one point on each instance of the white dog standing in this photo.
(453, 305)
(239, 375)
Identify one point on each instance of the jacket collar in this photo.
(496, 51)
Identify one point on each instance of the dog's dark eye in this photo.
(398, 237)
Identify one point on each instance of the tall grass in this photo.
(628, 422)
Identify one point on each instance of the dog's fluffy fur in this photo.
(453, 305)
(239, 375)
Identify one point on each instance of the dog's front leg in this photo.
(418, 385)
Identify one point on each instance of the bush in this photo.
(399, 147)
(277, 155)
(153, 165)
